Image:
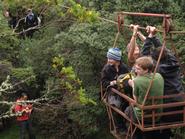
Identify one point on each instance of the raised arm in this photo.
(141, 36)
(132, 45)
(150, 41)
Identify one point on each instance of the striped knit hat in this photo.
(114, 53)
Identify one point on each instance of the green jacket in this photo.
(141, 84)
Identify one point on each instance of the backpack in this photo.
(30, 20)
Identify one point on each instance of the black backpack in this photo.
(31, 20)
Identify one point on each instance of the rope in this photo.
(140, 27)
(116, 38)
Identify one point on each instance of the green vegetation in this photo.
(13, 133)
(10, 133)
(65, 56)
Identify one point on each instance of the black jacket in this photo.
(109, 73)
(149, 45)
(168, 67)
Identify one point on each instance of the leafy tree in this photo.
(65, 58)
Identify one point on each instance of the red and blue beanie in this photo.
(114, 53)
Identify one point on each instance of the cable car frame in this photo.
(140, 124)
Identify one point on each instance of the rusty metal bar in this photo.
(123, 22)
(164, 113)
(156, 106)
(115, 134)
(158, 61)
(134, 131)
(122, 114)
(153, 118)
(145, 14)
(142, 118)
(142, 28)
(153, 114)
(149, 128)
(128, 132)
(140, 14)
(163, 127)
(110, 124)
(112, 118)
(125, 97)
(118, 23)
(169, 105)
(167, 96)
(131, 126)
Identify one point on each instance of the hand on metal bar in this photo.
(135, 29)
(151, 31)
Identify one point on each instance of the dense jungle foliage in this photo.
(62, 61)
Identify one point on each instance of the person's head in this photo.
(29, 11)
(24, 96)
(143, 65)
(6, 14)
(114, 56)
(136, 53)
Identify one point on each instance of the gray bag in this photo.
(114, 100)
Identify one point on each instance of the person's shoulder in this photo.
(106, 67)
(123, 65)
(159, 76)
(138, 78)
(143, 78)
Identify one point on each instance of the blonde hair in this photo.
(145, 62)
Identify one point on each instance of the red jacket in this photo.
(25, 109)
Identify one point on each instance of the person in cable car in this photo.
(109, 75)
(169, 68)
(133, 49)
(143, 68)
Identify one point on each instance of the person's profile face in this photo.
(25, 97)
(29, 11)
(6, 14)
(111, 61)
(140, 71)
